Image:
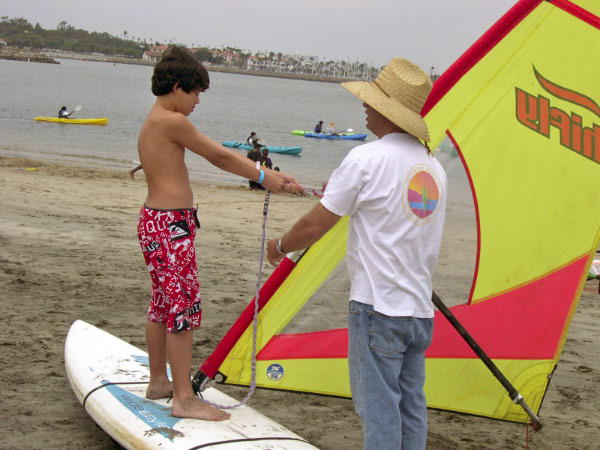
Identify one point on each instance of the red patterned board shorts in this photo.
(167, 240)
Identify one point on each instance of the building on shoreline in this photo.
(231, 60)
(271, 62)
(155, 53)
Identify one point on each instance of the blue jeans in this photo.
(387, 373)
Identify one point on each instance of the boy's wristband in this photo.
(261, 178)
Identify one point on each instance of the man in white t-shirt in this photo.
(395, 193)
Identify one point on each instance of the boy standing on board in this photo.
(167, 224)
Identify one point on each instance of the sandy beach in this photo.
(70, 252)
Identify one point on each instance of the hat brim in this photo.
(391, 109)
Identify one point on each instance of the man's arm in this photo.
(305, 232)
(185, 134)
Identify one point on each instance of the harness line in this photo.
(254, 320)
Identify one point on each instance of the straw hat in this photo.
(398, 93)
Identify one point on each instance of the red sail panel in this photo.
(525, 323)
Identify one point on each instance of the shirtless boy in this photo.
(167, 224)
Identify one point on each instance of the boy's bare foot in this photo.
(159, 390)
(194, 408)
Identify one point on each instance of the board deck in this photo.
(109, 377)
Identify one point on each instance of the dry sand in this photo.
(70, 251)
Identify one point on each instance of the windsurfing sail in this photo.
(522, 111)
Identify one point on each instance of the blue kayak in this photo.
(285, 150)
(352, 137)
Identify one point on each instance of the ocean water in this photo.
(234, 106)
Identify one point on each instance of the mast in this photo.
(512, 392)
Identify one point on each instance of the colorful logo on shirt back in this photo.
(422, 194)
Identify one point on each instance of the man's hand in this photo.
(281, 182)
(274, 256)
(305, 232)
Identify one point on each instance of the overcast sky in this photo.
(428, 32)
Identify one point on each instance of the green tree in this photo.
(204, 54)
(19, 32)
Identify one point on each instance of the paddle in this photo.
(342, 132)
(77, 108)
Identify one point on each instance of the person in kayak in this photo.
(319, 127)
(253, 139)
(64, 114)
(331, 129)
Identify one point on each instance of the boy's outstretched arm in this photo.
(185, 134)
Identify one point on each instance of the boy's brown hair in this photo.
(178, 65)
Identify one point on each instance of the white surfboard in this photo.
(102, 368)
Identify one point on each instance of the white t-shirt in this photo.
(393, 240)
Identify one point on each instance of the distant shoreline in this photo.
(209, 67)
(13, 54)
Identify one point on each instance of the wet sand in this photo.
(70, 252)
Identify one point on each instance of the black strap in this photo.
(232, 441)
(109, 384)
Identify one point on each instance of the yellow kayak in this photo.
(101, 121)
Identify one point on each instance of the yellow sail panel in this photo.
(480, 81)
(465, 385)
(312, 270)
(515, 138)
(462, 385)
(456, 384)
(317, 379)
